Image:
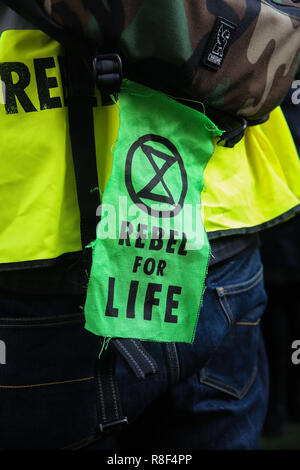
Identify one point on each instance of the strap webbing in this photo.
(109, 408)
(81, 98)
(138, 359)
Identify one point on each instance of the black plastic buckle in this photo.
(232, 137)
(108, 75)
(112, 425)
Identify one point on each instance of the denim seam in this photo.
(170, 363)
(41, 318)
(225, 310)
(248, 323)
(242, 290)
(223, 295)
(238, 393)
(46, 384)
(82, 443)
(72, 322)
(85, 441)
(231, 313)
(221, 382)
(176, 361)
(243, 284)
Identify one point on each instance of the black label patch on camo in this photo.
(218, 44)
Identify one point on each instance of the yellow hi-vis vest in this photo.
(250, 186)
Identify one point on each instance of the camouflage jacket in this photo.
(238, 56)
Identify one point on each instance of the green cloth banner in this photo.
(151, 252)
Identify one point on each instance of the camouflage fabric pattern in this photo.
(163, 42)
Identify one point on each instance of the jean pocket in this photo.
(233, 367)
(46, 380)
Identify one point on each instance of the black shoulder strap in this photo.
(105, 71)
(81, 98)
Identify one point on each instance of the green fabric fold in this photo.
(151, 252)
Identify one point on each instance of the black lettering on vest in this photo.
(182, 251)
(172, 304)
(110, 311)
(172, 241)
(137, 263)
(130, 313)
(45, 83)
(156, 242)
(141, 235)
(63, 74)
(150, 300)
(16, 90)
(149, 266)
(125, 234)
(160, 267)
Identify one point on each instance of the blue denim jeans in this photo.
(212, 394)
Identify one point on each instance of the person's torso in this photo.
(247, 188)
